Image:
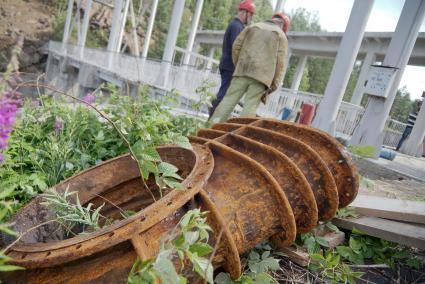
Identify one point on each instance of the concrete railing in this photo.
(393, 131)
(348, 117)
(137, 69)
(197, 61)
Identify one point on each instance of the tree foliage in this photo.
(216, 15)
(317, 70)
(402, 105)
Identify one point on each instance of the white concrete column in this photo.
(66, 31)
(77, 19)
(371, 128)
(123, 22)
(287, 60)
(195, 49)
(150, 28)
(173, 32)
(116, 26)
(279, 6)
(193, 30)
(136, 51)
(211, 58)
(299, 73)
(344, 62)
(413, 145)
(370, 59)
(82, 40)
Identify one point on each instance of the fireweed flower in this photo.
(9, 104)
(58, 125)
(90, 98)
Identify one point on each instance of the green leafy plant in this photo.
(363, 151)
(346, 212)
(5, 209)
(367, 183)
(257, 265)
(329, 266)
(188, 242)
(56, 139)
(69, 211)
(362, 248)
(312, 242)
(205, 95)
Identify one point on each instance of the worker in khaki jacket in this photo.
(259, 54)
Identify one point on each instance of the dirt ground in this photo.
(395, 189)
(402, 178)
(30, 17)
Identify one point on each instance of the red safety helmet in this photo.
(248, 6)
(285, 20)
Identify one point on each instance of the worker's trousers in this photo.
(240, 86)
(226, 78)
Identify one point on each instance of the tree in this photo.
(402, 105)
(349, 90)
(317, 71)
(303, 20)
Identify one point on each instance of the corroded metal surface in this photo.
(330, 150)
(289, 177)
(259, 179)
(307, 160)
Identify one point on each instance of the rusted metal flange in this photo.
(112, 180)
(307, 160)
(249, 199)
(330, 150)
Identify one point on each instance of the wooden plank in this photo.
(299, 257)
(408, 234)
(394, 209)
(334, 239)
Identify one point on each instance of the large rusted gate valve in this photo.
(258, 178)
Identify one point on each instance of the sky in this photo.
(333, 16)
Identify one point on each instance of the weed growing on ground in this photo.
(346, 212)
(329, 266)
(54, 139)
(362, 248)
(362, 151)
(359, 249)
(188, 242)
(5, 209)
(257, 265)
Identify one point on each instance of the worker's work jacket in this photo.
(233, 30)
(259, 53)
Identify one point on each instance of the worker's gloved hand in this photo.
(267, 92)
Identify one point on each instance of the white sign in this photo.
(380, 79)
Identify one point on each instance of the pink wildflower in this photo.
(58, 126)
(90, 98)
(9, 104)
